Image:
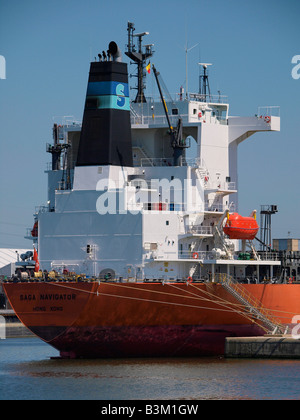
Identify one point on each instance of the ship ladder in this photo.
(219, 237)
(203, 175)
(253, 307)
(137, 118)
(144, 157)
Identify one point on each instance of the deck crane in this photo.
(177, 142)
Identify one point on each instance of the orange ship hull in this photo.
(94, 320)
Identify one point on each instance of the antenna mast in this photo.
(186, 67)
(139, 57)
(204, 89)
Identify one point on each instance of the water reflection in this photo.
(29, 371)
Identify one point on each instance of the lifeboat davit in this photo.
(239, 227)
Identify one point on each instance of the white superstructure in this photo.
(145, 229)
(150, 209)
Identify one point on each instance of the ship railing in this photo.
(195, 255)
(182, 98)
(148, 119)
(200, 230)
(221, 186)
(215, 99)
(218, 208)
(269, 256)
(271, 111)
(160, 162)
(160, 119)
(41, 209)
(29, 235)
(208, 255)
(193, 207)
(231, 185)
(150, 113)
(67, 121)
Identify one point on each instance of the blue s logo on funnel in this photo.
(120, 91)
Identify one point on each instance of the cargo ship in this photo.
(140, 249)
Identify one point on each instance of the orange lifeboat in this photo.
(239, 227)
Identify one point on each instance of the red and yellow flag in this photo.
(148, 68)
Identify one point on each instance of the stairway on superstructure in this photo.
(140, 156)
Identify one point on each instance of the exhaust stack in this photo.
(115, 52)
(106, 129)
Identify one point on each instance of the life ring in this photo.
(200, 115)
(267, 119)
(190, 279)
(195, 255)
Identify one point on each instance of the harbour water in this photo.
(27, 372)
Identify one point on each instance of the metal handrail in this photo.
(200, 230)
(253, 302)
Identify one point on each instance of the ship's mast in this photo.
(139, 57)
(266, 213)
(57, 149)
(204, 89)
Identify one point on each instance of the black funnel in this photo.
(106, 130)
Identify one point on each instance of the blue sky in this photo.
(48, 46)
